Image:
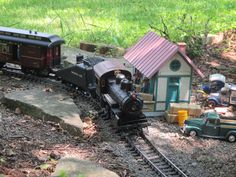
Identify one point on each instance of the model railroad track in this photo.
(157, 161)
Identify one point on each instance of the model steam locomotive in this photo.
(40, 53)
(115, 88)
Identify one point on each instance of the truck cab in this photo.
(210, 125)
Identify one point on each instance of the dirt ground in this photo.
(219, 57)
(197, 156)
(32, 147)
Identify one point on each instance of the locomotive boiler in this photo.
(115, 89)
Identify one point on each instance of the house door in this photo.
(172, 91)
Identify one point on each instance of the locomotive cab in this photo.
(108, 70)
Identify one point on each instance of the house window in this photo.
(175, 65)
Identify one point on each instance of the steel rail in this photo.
(163, 160)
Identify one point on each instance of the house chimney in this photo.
(182, 47)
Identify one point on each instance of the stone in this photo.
(55, 155)
(90, 47)
(47, 106)
(194, 164)
(70, 56)
(17, 111)
(74, 167)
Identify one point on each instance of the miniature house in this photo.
(167, 67)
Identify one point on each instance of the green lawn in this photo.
(118, 22)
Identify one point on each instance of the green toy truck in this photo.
(210, 125)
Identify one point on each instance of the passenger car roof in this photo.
(29, 37)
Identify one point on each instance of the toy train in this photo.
(40, 53)
(114, 86)
(33, 51)
(111, 81)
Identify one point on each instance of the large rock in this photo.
(74, 167)
(46, 105)
(69, 55)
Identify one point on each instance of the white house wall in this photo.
(184, 88)
(185, 69)
(160, 106)
(184, 73)
(161, 90)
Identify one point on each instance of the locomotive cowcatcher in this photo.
(33, 51)
(114, 86)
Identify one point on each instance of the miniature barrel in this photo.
(182, 116)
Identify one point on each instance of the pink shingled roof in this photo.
(152, 52)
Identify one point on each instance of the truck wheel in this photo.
(193, 133)
(231, 138)
(212, 103)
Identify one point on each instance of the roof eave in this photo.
(190, 62)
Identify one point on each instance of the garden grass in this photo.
(117, 22)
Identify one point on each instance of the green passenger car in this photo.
(210, 125)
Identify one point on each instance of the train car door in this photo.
(16, 52)
(56, 55)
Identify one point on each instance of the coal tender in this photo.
(81, 74)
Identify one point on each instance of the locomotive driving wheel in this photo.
(2, 64)
(25, 70)
(44, 72)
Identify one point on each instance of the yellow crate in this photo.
(195, 110)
